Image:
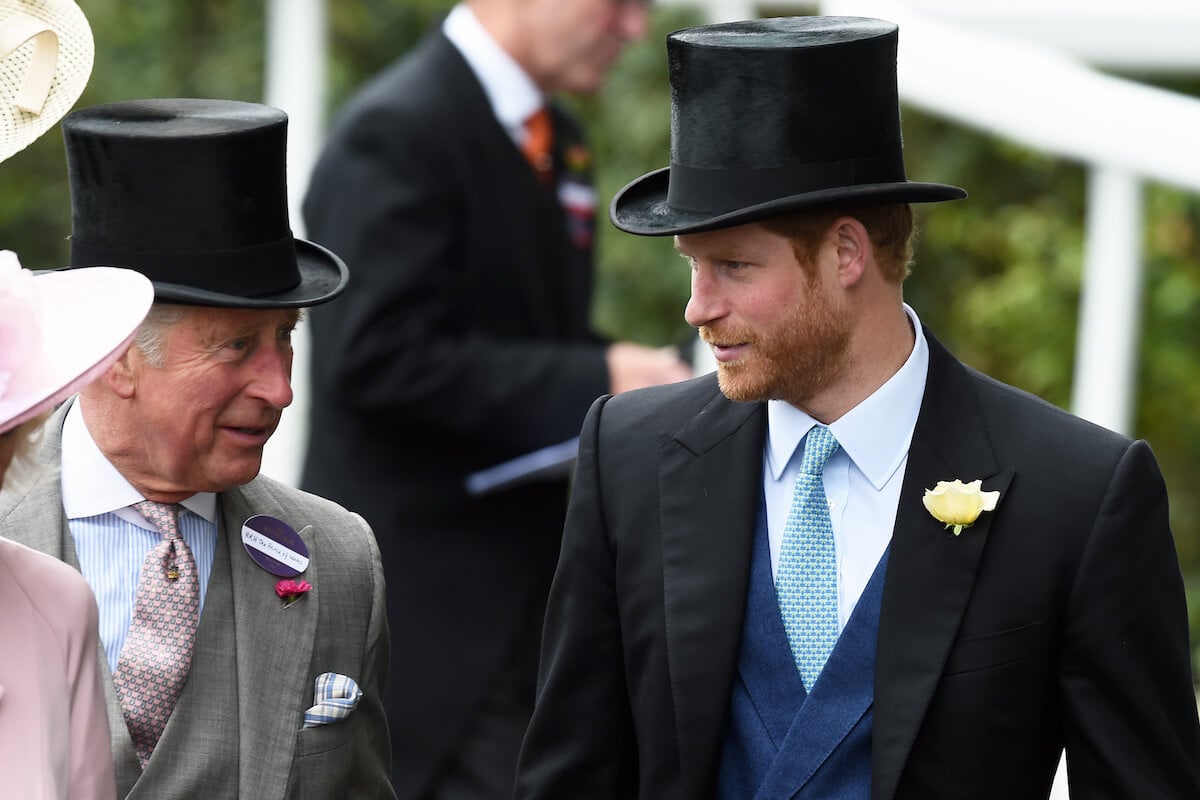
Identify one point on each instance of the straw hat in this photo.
(59, 330)
(46, 53)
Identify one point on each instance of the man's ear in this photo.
(121, 377)
(853, 248)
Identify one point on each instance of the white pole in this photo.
(1110, 306)
(295, 83)
(731, 10)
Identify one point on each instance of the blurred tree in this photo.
(642, 283)
(177, 49)
(367, 35)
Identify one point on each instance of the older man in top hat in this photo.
(848, 566)
(242, 621)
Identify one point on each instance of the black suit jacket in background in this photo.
(461, 341)
(1058, 619)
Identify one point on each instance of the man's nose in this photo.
(272, 380)
(705, 305)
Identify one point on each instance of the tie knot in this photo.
(164, 516)
(539, 142)
(538, 125)
(819, 445)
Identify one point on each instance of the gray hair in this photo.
(153, 333)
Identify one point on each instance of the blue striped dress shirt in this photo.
(112, 539)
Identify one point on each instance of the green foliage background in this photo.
(997, 276)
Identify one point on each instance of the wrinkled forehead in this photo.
(211, 323)
(242, 317)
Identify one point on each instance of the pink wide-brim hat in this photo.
(60, 330)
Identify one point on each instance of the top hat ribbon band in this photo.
(252, 271)
(702, 190)
(15, 31)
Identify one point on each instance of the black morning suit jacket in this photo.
(461, 341)
(1059, 618)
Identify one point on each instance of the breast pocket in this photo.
(323, 761)
(323, 738)
(995, 649)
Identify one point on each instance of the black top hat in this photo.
(773, 115)
(193, 194)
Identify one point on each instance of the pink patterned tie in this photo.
(158, 651)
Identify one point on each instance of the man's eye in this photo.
(238, 344)
(285, 334)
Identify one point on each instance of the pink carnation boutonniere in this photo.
(290, 591)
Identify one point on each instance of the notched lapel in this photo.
(709, 479)
(931, 572)
(125, 760)
(274, 649)
(31, 507)
(37, 520)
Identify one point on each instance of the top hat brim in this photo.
(641, 207)
(323, 276)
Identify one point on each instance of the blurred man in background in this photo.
(460, 196)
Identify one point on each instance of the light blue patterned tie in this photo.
(806, 579)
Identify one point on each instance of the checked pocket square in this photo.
(336, 697)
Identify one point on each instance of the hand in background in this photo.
(632, 366)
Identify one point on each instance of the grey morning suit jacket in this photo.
(237, 728)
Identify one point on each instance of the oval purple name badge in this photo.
(274, 546)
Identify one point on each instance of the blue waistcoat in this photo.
(781, 743)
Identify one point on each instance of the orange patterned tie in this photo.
(539, 143)
(154, 662)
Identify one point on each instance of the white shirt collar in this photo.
(512, 93)
(875, 434)
(92, 485)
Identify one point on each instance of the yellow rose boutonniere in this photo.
(959, 504)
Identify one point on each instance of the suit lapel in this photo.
(125, 760)
(713, 469)
(274, 649)
(930, 572)
(31, 508)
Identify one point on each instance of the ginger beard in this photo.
(794, 359)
